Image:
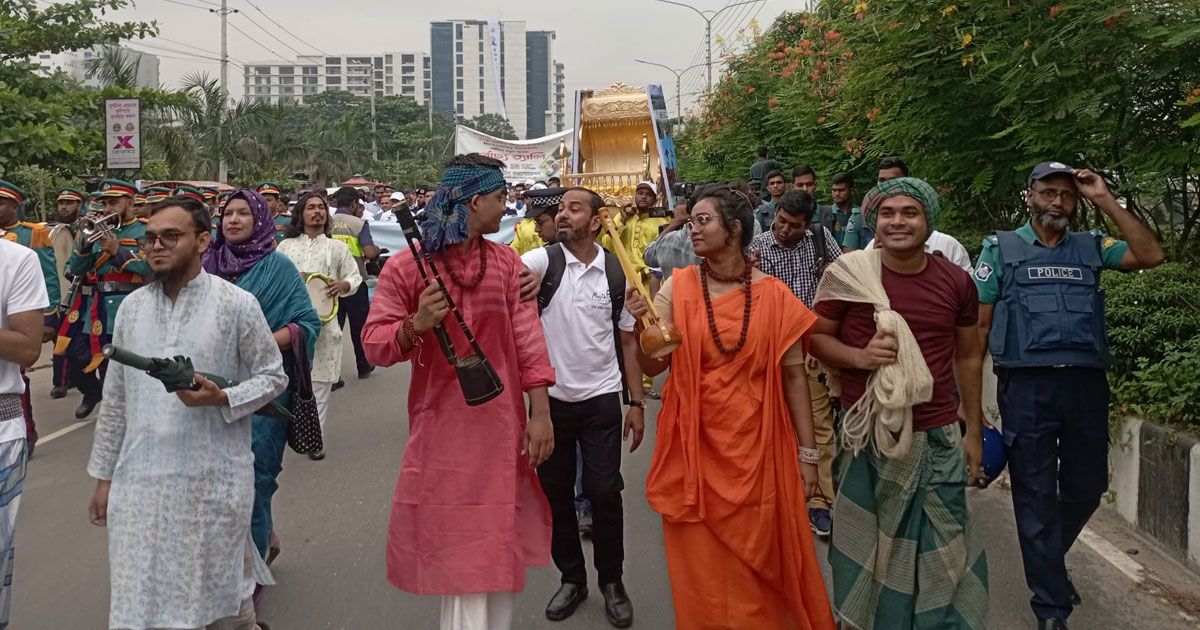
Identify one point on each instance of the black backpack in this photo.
(616, 295)
(817, 230)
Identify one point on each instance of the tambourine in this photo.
(327, 307)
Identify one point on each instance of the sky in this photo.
(598, 40)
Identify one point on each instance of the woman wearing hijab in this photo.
(243, 252)
(735, 459)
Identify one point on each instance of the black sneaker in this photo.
(362, 374)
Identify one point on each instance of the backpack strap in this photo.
(616, 295)
(553, 276)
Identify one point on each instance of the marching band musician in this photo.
(35, 236)
(63, 229)
(310, 247)
(112, 267)
(279, 211)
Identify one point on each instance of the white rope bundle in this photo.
(883, 415)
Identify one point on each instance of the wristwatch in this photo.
(637, 403)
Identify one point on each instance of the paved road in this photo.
(332, 518)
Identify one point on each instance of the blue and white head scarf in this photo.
(445, 222)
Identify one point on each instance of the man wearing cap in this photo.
(112, 267)
(273, 193)
(537, 228)
(35, 236)
(62, 238)
(1042, 310)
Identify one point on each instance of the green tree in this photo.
(27, 29)
(493, 125)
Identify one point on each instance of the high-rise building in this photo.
(539, 73)
(561, 105)
(387, 74)
(477, 72)
(76, 64)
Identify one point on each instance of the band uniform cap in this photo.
(9, 190)
(542, 200)
(139, 199)
(209, 192)
(1046, 169)
(155, 194)
(70, 194)
(117, 188)
(648, 184)
(270, 188)
(189, 191)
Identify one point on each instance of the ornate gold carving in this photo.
(617, 104)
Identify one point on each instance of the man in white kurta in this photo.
(314, 252)
(181, 478)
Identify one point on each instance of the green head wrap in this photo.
(909, 187)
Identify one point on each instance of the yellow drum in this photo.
(326, 307)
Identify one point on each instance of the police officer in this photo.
(63, 229)
(537, 227)
(35, 236)
(112, 266)
(1043, 312)
(348, 226)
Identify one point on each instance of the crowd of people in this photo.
(825, 381)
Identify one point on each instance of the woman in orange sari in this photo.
(734, 461)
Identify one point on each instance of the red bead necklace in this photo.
(478, 278)
(705, 272)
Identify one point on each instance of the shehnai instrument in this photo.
(476, 376)
(658, 338)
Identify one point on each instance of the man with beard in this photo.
(273, 193)
(35, 236)
(903, 477)
(594, 353)
(112, 267)
(174, 471)
(1042, 311)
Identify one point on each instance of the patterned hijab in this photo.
(445, 221)
(226, 259)
(909, 187)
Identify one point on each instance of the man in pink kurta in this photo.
(468, 514)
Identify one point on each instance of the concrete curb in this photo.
(1155, 486)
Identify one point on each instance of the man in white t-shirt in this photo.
(948, 246)
(592, 347)
(23, 297)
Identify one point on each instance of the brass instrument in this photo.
(658, 339)
(94, 226)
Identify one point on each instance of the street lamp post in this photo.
(708, 15)
(678, 82)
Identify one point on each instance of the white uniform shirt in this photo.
(578, 328)
(22, 289)
(948, 245)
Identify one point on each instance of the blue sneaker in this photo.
(820, 520)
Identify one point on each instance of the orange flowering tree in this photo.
(972, 94)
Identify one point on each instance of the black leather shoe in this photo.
(338, 385)
(317, 456)
(1052, 624)
(565, 601)
(617, 606)
(85, 408)
(58, 391)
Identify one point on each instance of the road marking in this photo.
(1116, 557)
(63, 431)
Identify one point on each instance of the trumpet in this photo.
(658, 338)
(95, 226)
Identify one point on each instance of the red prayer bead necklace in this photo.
(705, 272)
(478, 275)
